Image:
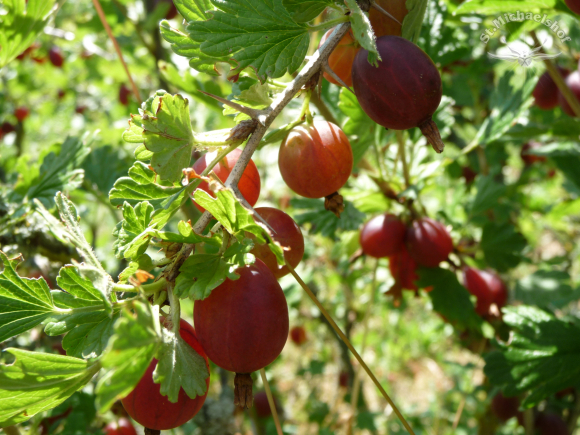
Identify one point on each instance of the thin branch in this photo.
(259, 115)
(351, 348)
(403, 158)
(117, 48)
(328, 70)
(271, 402)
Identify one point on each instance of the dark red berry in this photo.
(298, 335)
(6, 127)
(546, 92)
(262, 405)
(61, 93)
(505, 408)
(287, 233)
(56, 57)
(383, 236)
(469, 174)
(428, 242)
(21, 113)
(121, 427)
(487, 287)
(80, 109)
(404, 91)
(404, 271)
(148, 407)
(551, 424)
(124, 93)
(530, 159)
(573, 82)
(343, 379)
(574, 6)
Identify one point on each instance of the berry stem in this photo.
(175, 310)
(328, 24)
(145, 288)
(271, 402)
(558, 79)
(403, 158)
(350, 347)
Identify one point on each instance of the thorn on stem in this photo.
(381, 10)
(326, 68)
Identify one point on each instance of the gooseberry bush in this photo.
(288, 216)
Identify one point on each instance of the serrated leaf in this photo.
(325, 222)
(502, 246)
(540, 358)
(449, 298)
(166, 132)
(488, 193)
(20, 26)
(258, 34)
(103, 166)
(37, 382)
(179, 366)
(132, 240)
(144, 262)
(414, 19)
(130, 351)
(549, 289)
(303, 11)
(487, 7)
(193, 10)
(358, 124)
(24, 302)
(363, 31)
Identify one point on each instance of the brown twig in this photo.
(117, 48)
(271, 402)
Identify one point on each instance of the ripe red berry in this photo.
(315, 160)
(298, 335)
(383, 25)
(551, 424)
(487, 287)
(288, 234)
(383, 236)
(343, 379)
(404, 271)
(121, 427)
(341, 59)
(428, 242)
(249, 184)
(172, 11)
(573, 82)
(404, 91)
(56, 57)
(6, 127)
(574, 6)
(80, 109)
(21, 113)
(61, 93)
(243, 324)
(148, 407)
(262, 405)
(469, 174)
(530, 159)
(124, 93)
(505, 408)
(546, 91)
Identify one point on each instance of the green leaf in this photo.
(488, 7)
(179, 366)
(201, 273)
(166, 132)
(132, 239)
(103, 166)
(129, 353)
(303, 11)
(510, 99)
(488, 193)
(20, 26)
(358, 126)
(502, 246)
(324, 222)
(449, 298)
(363, 31)
(24, 302)
(37, 382)
(256, 33)
(194, 10)
(549, 289)
(566, 156)
(414, 19)
(540, 358)
(144, 262)
(58, 172)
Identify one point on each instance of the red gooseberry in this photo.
(428, 242)
(341, 59)
(382, 236)
(487, 287)
(124, 93)
(21, 113)
(315, 160)
(404, 270)
(503, 407)
(56, 57)
(546, 91)
(262, 405)
(243, 325)
(287, 233)
(530, 159)
(384, 25)
(298, 335)
(403, 91)
(574, 6)
(249, 184)
(551, 424)
(148, 407)
(573, 82)
(121, 427)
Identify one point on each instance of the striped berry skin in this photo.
(428, 242)
(383, 236)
